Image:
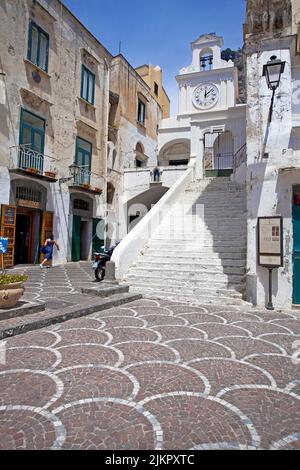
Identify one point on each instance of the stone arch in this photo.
(176, 152)
(28, 190)
(206, 59)
(110, 193)
(140, 157)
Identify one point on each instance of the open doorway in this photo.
(23, 239)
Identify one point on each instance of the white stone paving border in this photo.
(112, 348)
(45, 348)
(158, 432)
(256, 441)
(285, 441)
(200, 375)
(256, 387)
(58, 383)
(237, 361)
(59, 428)
(164, 345)
(232, 353)
(132, 378)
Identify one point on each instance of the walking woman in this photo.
(47, 249)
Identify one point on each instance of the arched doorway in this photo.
(219, 153)
(32, 223)
(175, 153)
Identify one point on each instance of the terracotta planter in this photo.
(10, 294)
(98, 190)
(32, 170)
(50, 174)
(86, 186)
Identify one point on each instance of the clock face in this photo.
(206, 96)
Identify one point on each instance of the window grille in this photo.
(28, 194)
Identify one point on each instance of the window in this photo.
(87, 85)
(155, 88)
(38, 46)
(81, 205)
(32, 138)
(141, 112)
(83, 158)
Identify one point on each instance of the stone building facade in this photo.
(153, 76)
(134, 119)
(273, 146)
(54, 113)
(65, 101)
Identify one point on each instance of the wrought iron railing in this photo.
(23, 157)
(89, 180)
(240, 157)
(219, 161)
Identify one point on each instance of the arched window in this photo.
(110, 192)
(206, 60)
(140, 157)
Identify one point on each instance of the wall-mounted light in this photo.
(272, 72)
(73, 171)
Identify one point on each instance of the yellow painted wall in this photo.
(150, 75)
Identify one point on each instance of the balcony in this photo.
(28, 162)
(87, 181)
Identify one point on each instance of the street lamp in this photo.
(272, 71)
(73, 171)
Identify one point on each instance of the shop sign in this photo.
(270, 242)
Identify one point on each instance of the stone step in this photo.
(194, 254)
(190, 283)
(210, 292)
(104, 290)
(189, 298)
(50, 317)
(196, 242)
(205, 235)
(158, 260)
(168, 270)
(160, 245)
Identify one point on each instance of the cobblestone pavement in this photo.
(59, 282)
(154, 375)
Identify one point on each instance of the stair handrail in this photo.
(130, 247)
(240, 156)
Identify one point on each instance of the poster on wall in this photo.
(270, 242)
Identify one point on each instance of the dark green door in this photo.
(76, 238)
(296, 255)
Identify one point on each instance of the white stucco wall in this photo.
(269, 188)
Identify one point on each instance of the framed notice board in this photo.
(270, 242)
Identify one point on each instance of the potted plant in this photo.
(86, 185)
(11, 289)
(98, 190)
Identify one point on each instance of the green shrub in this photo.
(12, 278)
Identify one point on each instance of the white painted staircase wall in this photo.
(198, 251)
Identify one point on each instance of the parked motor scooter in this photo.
(100, 262)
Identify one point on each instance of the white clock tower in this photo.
(210, 127)
(209, 83)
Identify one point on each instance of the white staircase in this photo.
(198, 252)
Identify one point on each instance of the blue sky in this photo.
(159, 32)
